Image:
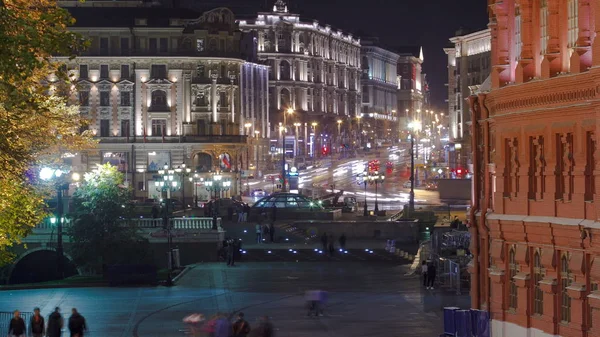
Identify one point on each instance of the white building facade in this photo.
(379, 82)
(314, 70)
(164, 87)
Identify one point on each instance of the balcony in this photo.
(207, 139)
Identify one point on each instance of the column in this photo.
(187, 99)
(213, 97)
(232, 98)
(141, 75)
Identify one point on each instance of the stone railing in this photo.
(148, 223)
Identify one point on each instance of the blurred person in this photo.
(274, 213)
(431, 274)
(77, 325)
(241, 328)
(154, 212)
(231, 253)
(55, 324)
(37, 324)
(424, 272)
(264, 329)
(343, 241)
(331, 242)
(240, 213)
(223, 326)
(272, 232)
(16, 328)
(258, 233)
(324, 241)
(246, 212)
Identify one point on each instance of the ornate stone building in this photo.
(379, 80)
(164, 86)
(412, 86)
(469, 65)
(314, 70)
(536, 202)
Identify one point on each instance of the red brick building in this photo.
(536, 233)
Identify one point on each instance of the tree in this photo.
(102, 232)
(35, 119)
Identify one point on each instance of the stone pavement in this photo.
(366, 299)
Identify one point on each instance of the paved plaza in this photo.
(366, 298)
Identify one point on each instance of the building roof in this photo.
(125, 17)
(408, 50)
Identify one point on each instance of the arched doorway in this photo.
(203, 162)
(285, 98)
(40, 266)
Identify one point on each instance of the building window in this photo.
(565, 281)
(200, 45)
(159, 98)
(104, 98)
(164, 45)
(200, 71)
(544, 37)
(104, 71)
(593, 288)
(104, 128)
(573, 15)
(159, 127)
(83, 71)
(125, 98)
(84, 98)
(513, 270)
(152, 45)
(104, 46)
(518, 39)
(590, 164)
(125, 46)
(159, 71)
(124, 71)
(125, 128)
(538, 294)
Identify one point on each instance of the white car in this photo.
(258, 193)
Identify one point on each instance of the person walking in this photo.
(55, 324)
(274, 213)
(343, 241)
(241, 328)
(324, 241)
(77, 325)
(431, 273)
(16, 328)
(272, 232)
(258, 233)
(424, 273)
(240, 213)
(37, 324)
(331, 242)
(246, 212)
(230, 253)
(223, 326)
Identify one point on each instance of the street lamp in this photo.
(248, 125)
(415, 126)
(168, 184)
(363, 179)
(196, 179)
(256, 135)
(184, 172)
(296, 139)
(282, 128)
(376, 179)
(314, 147)
(61, 183)
(366, 178)
(218, 185)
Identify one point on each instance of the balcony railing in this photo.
(150, 223)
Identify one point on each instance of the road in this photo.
(343, 175)
(365, 299)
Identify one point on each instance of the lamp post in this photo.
(363, 179)
(376, 179)
(415, 126)
(196, 179)
(256, 136)
(61, 183)
(168, 184)
(296, 139)
(184, 172)
(358, 129)
(217, 184)
(339, 125)
(314, 146)
(289, 111)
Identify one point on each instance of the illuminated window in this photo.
(518, 40)
(565, 281)
(538, 294)
(544, 27)
(573, 24)
(513, 269)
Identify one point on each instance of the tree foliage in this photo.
(101, 233)
(35, 119)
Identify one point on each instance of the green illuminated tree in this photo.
(35, 119)
(101, 233)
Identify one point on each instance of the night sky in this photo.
(429, 23)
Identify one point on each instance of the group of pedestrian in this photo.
(38, 328)
(328, 242)
(243, 211)
(265, 231)
(232, 249)
(220, 326)
(429, 273)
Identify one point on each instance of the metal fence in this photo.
(5, 318)
(448, 273)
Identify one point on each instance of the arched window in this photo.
(565, 281)
(285, 98)
(538, 294)
(159, 98)
(513, 269)
(284, 70)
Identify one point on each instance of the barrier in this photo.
(466, 323)
(5, 318)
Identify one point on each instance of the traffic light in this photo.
(324, 150)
